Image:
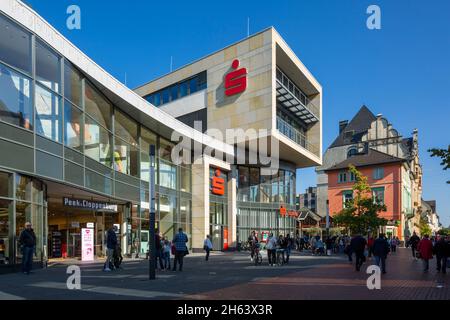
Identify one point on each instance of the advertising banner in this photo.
(87, 244)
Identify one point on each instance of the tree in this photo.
(444, 155)
(424, 227)
(361, 213)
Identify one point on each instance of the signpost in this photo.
(152, 257)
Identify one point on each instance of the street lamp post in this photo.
(152, 246)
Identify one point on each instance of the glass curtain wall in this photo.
(259, 200)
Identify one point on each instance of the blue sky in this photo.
(401, 71)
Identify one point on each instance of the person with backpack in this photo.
(179, 241)
(27, 242)
(111, 244)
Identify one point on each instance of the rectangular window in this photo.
(48, 114)
(378, 195)
(378, 173)
(15, 45)
(72, 84)
(165, 96)
(167, 175)
(97, 106)
(254, 184)
(48, 67)
(347, 196)
(97, 142)
(125, 158)
(185, 179)
(193, 85)
(184, 89)
(352, 177)
(15, 98)
(174, 93)
(243, 184)
(148, 138)
(202, 81)
(125, 128)
(342, 178)
(73, 124)
(157, 99)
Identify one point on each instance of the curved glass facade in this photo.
(56, 124)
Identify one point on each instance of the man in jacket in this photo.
(271, 247)
(442, 251)
(252, 241)
(413, 242)
(111, 244)
(380, 250)
(27, 242)
(425, 248)
(358, 244)
(179, 241)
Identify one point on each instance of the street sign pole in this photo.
(152, 244)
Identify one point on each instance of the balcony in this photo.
(293, 134)
(294, 100)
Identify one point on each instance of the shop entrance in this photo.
(68, 214)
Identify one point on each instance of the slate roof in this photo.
(372, 157)
(359, 124)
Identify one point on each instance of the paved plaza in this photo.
(232, 276)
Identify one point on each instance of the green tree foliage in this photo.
(424, 227)
(361, 213)
(444, 155)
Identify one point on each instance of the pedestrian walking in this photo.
(442, 251)
(181, 250)
(166, 254)
(158, 251)
(289, 245)
(111, 245)
(329, 243)
(380, 251)
(370, 243)
(394, 244)
(414, 242)
(282, 245)
(207, 246)
(271, 247)
(425, 248)
(27, 243)
(358, 245)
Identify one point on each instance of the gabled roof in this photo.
(360, 123)
(372, 157)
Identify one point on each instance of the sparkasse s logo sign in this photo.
(218, 184)
(236, 81)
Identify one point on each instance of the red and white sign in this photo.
(235, 81)
(87, 244)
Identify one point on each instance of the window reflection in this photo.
(97, 106)
(48, 69)
(15, 45)
(97, 142)
(48, 114)
(15, 102)
(72, 126)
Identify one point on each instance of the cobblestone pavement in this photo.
(232, 276)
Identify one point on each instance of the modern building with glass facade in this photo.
(257, 83)
(75, 143)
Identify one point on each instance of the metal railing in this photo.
(293, 134)
(296, 92)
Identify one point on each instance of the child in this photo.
(166, 254)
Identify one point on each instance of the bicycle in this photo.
(280, 256)
(257, 255)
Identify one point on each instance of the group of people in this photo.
(282, 245)
(165, 248)
(426, 248)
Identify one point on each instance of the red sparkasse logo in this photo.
(236, 81)
(218, 184)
